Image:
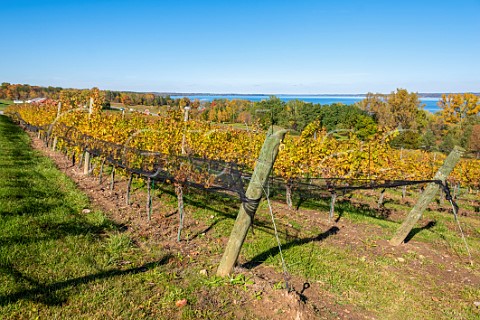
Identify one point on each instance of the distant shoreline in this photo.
(347, 95)
(430, 103)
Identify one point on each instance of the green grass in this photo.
(138, 108)
(377, 282)
(4, 104)
(361, 273)
(56, 262)
(59, 263)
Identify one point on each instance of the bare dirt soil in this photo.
(306, 301)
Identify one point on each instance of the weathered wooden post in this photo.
(129, 187)
(112, 176)
(55, 139)
(254, 191)
(185, 120)
(86, 166)
(54, 144)
(427, 196)
(332, 206)
(149, 199)
(90, 106)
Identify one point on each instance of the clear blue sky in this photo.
(330, 46)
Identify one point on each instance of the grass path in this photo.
(55, 261)
(59, 262)
(4, 104)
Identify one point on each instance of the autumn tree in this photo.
(474, 142)
(25, 91)
(458, 108)
(404, 107)
(376, 105)
(400, 109)
(125, 99)
(148, 99)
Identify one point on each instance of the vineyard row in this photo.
(315, 153)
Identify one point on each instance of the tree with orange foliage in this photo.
(458, 107)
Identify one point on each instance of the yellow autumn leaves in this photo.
(315, 153)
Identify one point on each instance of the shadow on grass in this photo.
(35, 208)
(215, 200)
(50, 230)
(322, 202)
(366, 210)
(414, 231)
(23, 190)
(273, 251)
(50, 294)
(230, 204)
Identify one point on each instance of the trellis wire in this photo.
(286, 274)
(455, 214)
(235, 177)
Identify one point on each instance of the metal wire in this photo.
(455, 214)
(230, 177)
(286, 274)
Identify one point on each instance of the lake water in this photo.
(430, 103)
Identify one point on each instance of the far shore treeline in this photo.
(457, 122)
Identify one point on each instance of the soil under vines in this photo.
(302, 303)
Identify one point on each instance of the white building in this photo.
(34, 100)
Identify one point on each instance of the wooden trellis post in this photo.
(87, 157)
(427, 196)
(55, 139)
(87, 163)
(254, 191)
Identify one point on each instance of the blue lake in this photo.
(430, 103)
